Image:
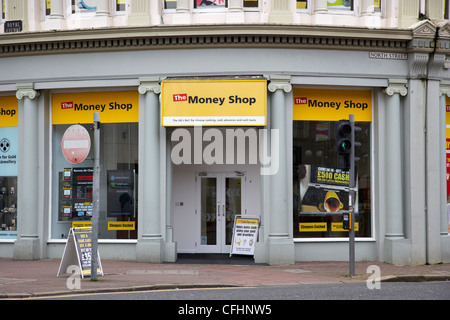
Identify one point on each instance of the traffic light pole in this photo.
(351, 199)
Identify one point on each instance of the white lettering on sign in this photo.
(76, 144)
(388, 55)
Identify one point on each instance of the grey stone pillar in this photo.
(280, 243)
(394, 218)
(27, 246)
(150, 246)
(396, 249)
(170, 254)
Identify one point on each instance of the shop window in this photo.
(222, 4)
(120, 5)
(170, 4)
(345, 5)
(84, 6)
(9, 146)
(319, 185)
(72, 182)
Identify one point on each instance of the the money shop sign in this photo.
(113, 107)
(214, 103)
(332, 104)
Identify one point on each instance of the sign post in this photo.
(95, 197)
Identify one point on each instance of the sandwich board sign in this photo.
(245, 235)
(78, 252)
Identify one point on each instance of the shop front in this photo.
(72, 162)
(214, 126)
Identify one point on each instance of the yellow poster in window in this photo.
(331, 104)
(9, 116)
(79, 107)
(214, 103)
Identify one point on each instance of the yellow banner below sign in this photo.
(112, 106)
(121, 225)
(312, 226)
(332, 104)
(214, 103)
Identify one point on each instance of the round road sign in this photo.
(76, 143)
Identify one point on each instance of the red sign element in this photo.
(180, 97)
(301, 100)
(67, 105)
(76, 144)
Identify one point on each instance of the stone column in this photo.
(408, 12)
(394, 235)
(235, 12)
(367, 7)
(103, 8)
(150, 246)
(183, 12)
(280, 243)
(280, 12)
(320, 6)
(56, 9)
(27, 246)
(140, 13)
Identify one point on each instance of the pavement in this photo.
(38, 278)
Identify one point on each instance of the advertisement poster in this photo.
(322, 199)
(245, 235)
(121, 193)
(78, 251)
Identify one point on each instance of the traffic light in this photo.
(343, 145)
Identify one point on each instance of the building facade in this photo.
(212, 111)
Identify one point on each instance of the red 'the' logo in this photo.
(67, 105)
(180, 97)
(301, 100)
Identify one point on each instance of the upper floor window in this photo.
(82, 6)
(340, 4)
(199, 4)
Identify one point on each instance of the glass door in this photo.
(220, 199)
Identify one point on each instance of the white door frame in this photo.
(219, 215)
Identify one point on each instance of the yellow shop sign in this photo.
(214, 102)
(332, 104)
(9, 116)
(113, 106)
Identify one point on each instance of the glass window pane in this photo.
(72, 191)
(210, 3)
(208, 207)
(84, 6)
(170, 4)
(319, 185)
(120, 5)
(233, 205)
(377, 5)
(302, 4)
(340, 4)
(250, 3)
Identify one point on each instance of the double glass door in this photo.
(220, 199)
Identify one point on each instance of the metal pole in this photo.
(95, 197)
(351, 199)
